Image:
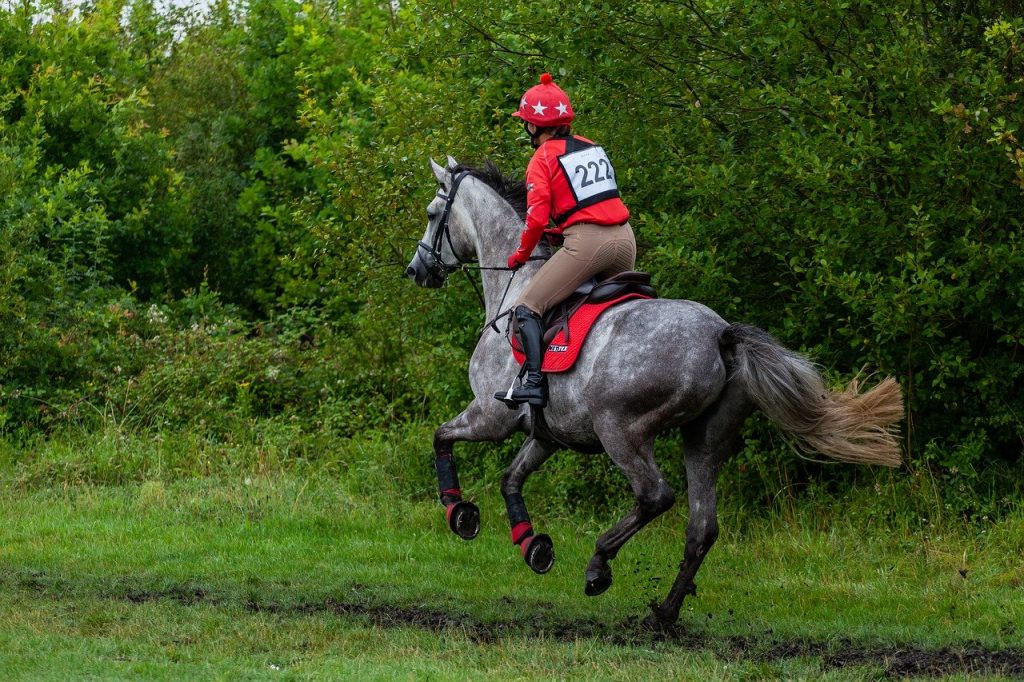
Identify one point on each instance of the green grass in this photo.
(171, 556)
(287, 575)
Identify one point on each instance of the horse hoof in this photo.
(653, 624)
(539, 553)
(464, 519)
(597, 582)
(658, 621)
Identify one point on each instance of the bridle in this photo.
(442, 234)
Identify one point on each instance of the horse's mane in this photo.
(511, 189)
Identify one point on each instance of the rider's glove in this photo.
(516, 261)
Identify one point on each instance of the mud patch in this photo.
(890, 661)
(894, 662)
(899, 662)
(183, 594)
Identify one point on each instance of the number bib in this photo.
(590, 175)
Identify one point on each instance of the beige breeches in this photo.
(588, 251)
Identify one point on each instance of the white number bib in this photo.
(589, 172)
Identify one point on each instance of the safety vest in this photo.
(570, 180)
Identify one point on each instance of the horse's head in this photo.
(444, 248)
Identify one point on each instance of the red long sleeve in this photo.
(538, 203)
(549, 195)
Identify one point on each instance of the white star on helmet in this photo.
(539, 108)
(562, 109)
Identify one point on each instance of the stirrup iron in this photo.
(507, 396)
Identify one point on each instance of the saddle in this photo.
(625, 283)
(568, 323)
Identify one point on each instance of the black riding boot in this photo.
(534, 387)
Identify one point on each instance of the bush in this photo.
(847, 176)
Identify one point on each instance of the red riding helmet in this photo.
(545, 105)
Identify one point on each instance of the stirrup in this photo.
(507, 396)
(538, 399)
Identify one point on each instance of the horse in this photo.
(648, 365)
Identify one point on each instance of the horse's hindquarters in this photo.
(648, 365)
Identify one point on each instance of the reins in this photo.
(443, 234)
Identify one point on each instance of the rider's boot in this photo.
(534, 387)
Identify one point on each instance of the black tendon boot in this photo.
(534, 387)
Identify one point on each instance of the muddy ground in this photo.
(892, 661)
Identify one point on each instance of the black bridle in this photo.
(443, 233)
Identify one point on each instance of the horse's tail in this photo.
(849, 425)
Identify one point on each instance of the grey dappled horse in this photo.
(647, 366)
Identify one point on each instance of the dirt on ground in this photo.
(892, 661)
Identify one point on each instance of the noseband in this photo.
(439, 268)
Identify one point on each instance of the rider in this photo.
(569, 182)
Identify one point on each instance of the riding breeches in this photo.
(588, 251)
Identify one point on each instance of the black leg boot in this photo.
(534, 388)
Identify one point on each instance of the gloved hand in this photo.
(516, 261)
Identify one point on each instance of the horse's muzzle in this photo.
(418, 272)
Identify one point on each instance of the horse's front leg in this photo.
(537, 550)
(476, 423)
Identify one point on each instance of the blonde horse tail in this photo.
(847, 425)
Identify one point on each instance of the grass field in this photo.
(288, 576)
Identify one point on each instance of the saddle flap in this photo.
(631, 282)
(566, 335)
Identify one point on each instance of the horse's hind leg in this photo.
(537, 550)
(653, 498)
(707, 443)
(473, 424)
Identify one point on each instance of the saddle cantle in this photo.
(568, 323)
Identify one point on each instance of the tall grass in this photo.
(398, 463)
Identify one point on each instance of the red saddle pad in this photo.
(561, 356)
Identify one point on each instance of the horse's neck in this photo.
(502, 289)
(495, 230)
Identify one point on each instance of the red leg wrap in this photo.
(521, 531)
(525, 546)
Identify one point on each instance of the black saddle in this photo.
(592, 291)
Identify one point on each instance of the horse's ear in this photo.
(452, 163)
(440, 173)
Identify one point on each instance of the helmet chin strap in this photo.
(533, 136)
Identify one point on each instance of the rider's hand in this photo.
(515, 261)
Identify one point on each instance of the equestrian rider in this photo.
(569, 182)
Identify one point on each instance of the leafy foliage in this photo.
(846, 175)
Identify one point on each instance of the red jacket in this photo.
(569, 180)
